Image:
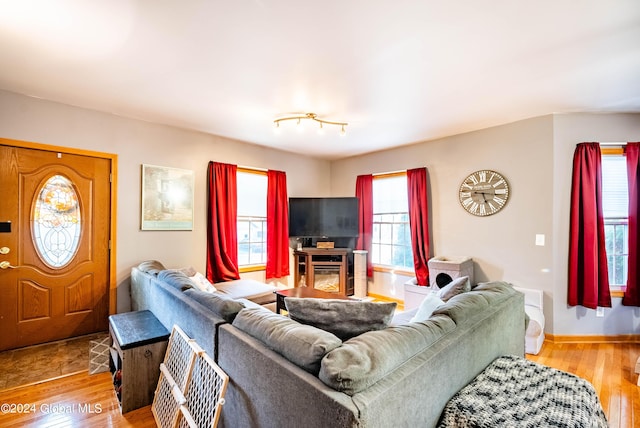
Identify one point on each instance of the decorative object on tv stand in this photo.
(483, 193)
(299, 117)
(443, 270)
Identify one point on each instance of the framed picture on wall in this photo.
(167, 198)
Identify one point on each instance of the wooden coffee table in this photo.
(304, 292)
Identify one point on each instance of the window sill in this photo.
(617, 293)
(252, 268)
(395, 270)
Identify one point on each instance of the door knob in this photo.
(4, 250)
(6, 265)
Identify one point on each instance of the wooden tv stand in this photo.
(310, 261)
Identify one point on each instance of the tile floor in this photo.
(38, 363)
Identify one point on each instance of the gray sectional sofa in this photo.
(286, 374)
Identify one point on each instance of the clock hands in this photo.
(484, 198)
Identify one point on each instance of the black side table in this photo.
(139, 344)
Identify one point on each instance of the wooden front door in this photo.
(54, 253)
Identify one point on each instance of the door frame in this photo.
(113, 158)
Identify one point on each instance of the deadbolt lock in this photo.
(4, 250)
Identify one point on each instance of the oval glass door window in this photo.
(56, 222)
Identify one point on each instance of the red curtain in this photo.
(277, 225)
(588, 272)
(364, 193)
(632, 293)
(419, 222)
(222, 226)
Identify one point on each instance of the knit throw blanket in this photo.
(515, 392)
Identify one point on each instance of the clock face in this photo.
(484, 193)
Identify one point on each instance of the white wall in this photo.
(503, 245)
(535, 156)
(137, 142)
(570, 130)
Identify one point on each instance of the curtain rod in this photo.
(613, 143)
(252, 168)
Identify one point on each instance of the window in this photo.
(391, 240)
(56, 222)
(615, 208)
(252, 217)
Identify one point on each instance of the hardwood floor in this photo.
(83, 400)
(610, 367)
(78, 400)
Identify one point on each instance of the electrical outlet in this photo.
(600, 312)
(540, 240)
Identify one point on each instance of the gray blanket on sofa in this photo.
(515, 392)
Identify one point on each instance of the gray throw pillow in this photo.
(152, 267)
(455, 287)
(223, 306)
(176, 279)
(344, 318)
(301, 344)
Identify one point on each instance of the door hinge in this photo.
(110, 178)
(109, 244)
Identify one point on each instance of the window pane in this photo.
(385, 255)
(252, 241)
(615, 195)
(615, 205)
(56, 222)
(243, 231)
(616, 244)
(252, 194)
(391, 223)
(390, 194)
(252, 218)
(385, 232)
(243, 253)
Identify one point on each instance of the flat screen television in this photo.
(323, 217)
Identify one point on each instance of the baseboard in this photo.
(616, 338)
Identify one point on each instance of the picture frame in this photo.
(167, 198)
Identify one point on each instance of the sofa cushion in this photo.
(257, 291)
(426, 308)
(202, 283)
(176, 279)
(188, 270)
(301, 344)
(364, 360)
(344, 318)
(467, 305)
(152, 267)
(221, 305)
(495, 291)
(462, 307)
(455, 287)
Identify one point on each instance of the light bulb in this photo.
(276, 127)
(320, 129)
(343, 132)
(299, 126)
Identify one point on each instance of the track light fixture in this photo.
(311, 116)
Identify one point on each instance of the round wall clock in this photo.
(484, 192)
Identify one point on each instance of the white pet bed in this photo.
(533, 307)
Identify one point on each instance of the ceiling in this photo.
(397, 71)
